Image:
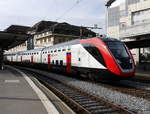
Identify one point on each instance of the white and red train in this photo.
(95, 58)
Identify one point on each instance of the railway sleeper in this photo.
(88, 105)
(100, 107)
(71, 93)
(80, 97)
(105, 111)
(84, 100)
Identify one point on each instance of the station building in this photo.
(129, 20)
(48, 33)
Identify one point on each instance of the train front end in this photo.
(117, 58)
(124, 65)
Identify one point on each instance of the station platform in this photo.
(143, 69)
(140, 72)
(19, 96)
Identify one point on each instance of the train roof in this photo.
(107, 39)
(77, 41)
(72, 42)
(34, 50)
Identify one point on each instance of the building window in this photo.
(45, 40)
(49, 39)
(41, 41)
(140, 17)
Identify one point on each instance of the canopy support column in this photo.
(1, 58)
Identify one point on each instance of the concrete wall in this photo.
(127, 28)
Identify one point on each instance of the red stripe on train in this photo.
(49, 61)
(31, 59)
(21, 59)
(68, 62)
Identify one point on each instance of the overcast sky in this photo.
(29, 12)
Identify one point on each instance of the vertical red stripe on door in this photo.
(21, 59)
(31, 59)
(49, 61)
(68, 62)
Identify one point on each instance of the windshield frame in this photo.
(118, 49)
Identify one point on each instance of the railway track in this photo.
(130, 90)
(80, 101)
(140, 78)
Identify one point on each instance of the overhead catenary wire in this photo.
(67, 11)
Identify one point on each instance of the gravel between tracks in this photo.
(137, 105)
(136, 84)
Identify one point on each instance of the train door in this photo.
(83, 58)
(21, 59)
(68, 61)
(41, 61)
(32, 59)
(11, 58)
(49, 61)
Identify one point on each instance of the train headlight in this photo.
(130, 61)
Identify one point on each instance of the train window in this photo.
(56, 62)
(64, 50)
(61, 62)
(118, 49)
(51, 51)
(94, 52)
(59, 50)
(52, 61)
(69, 49)
(43, 52)
(79, 59)
(55, 50)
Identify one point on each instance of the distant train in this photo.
(93, 58)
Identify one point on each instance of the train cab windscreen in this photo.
(120, 53)
(118, 49)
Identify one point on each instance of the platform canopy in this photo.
(138, 44)
(10, 40)
(109, 2)
(13, 36)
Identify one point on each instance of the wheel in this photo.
(91, 77)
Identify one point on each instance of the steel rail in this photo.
(80, 101)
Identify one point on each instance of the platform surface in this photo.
(17, 96)
(141, 72)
